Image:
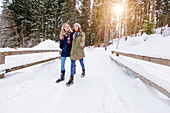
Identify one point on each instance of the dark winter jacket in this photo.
(66, 44)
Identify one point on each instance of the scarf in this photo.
(75, 34)
(67, 35)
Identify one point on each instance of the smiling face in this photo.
(76, 27)
(67, 28)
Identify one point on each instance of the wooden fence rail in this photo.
(147, 81)
(146, 58)
(3, 54)
(2, 75)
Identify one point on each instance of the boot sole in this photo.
(82, 76)
(69, 84)
(58, 81)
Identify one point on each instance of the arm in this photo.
(82, 43)
(61, 43)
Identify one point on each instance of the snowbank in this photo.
(155, 45)
(165, 31)
(47, 44)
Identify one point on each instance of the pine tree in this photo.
(7, 30)
(148, 27)
(100, 20)
(94, 28)
(163, 12)
(84, 20)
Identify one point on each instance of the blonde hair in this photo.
(63, 29)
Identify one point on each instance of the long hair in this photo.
(79, 27)
(63, 29)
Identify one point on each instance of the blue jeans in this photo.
(73, 65)
(63, 60)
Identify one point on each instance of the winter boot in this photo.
(83, 73)
(71, 81)
(62, 77)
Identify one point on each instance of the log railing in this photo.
(147, 81)
(146, 58)
(3, 54)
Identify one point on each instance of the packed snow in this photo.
(106, 88)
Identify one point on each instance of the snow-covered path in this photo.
(105, 89)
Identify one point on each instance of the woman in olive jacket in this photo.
(77, 51)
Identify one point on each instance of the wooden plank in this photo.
(26, 52)
(26, 65)
(152, 84)
(2, 59)
(145, 58)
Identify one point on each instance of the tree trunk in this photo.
(148, 10)
(153, 12)
(126, 20)
(56, 27)
(119, 33)
(106, 26)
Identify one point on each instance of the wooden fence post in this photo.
(2, 59)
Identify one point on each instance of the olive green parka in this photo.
(77, 52)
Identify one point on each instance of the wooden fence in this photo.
(146, 58)
(147, 81)
(3, 54)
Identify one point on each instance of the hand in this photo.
(82, 47)
(62, 38)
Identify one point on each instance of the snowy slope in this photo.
(155, 45)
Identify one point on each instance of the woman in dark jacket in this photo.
(65, 45)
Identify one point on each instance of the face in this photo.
(75, 27)
(67, 27)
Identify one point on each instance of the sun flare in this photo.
(118, 9)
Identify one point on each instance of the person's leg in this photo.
(71, 80)
(83, 67)
(63, 59)
(72, 67)
(82, 63)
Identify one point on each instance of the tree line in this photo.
(25, 23)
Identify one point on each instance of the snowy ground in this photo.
(107, 88)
